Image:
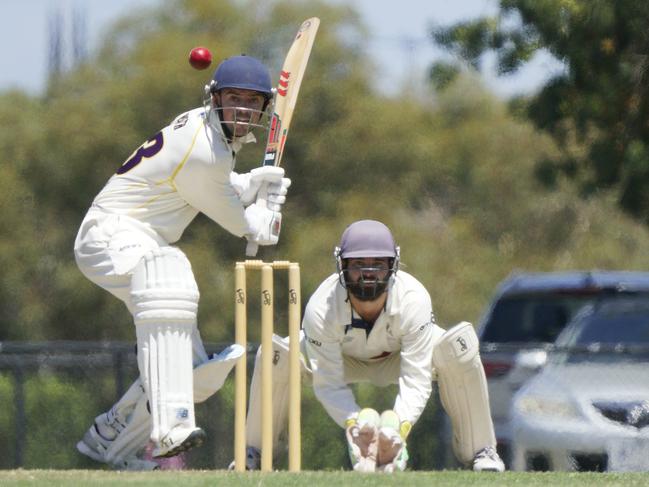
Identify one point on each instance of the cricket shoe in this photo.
(178, 440)
(487, 460)
(253, 459)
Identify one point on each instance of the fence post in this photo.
(21, 417)
(118, 368)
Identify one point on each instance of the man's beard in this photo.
(367, 291)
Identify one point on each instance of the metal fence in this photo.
(50, 393)
(588, 409)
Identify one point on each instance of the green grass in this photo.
(318, 479)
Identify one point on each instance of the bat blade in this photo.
(288, 87)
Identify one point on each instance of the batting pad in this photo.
(165, 301)
(208, 379)
(463, 390)
(119, 415)
(210, 376)
(133, 437)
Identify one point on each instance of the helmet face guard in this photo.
(243, 73)
(240, 120)
(366, 239)
(370, 283)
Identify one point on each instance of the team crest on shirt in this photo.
(181, 121)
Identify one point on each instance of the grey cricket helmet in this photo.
(367, 238)
(361, 239)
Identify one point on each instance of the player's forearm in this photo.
(415, 382)
(328, 380)
(338, 401)
(412, 398)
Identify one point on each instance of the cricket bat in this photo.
(288, 87)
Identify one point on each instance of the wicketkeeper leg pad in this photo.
(165, 300)
(463, 390)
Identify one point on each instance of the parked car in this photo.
(526, 314)
(588, 409)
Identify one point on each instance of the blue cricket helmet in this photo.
(243, 72)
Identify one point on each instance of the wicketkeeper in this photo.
(126, 246)
(371, 322)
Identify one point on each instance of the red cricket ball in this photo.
(200, 58)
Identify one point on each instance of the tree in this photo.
(598, 108)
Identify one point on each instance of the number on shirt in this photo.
(147, 150)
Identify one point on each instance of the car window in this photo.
(531, 317)
(623, 328)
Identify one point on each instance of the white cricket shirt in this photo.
(182, 170)
(406, 326)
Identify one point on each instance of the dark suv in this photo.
(525, 316)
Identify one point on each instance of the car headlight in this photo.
(543, 406)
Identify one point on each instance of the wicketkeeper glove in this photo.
(392, 452)
(362, 440)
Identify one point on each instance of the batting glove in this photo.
(274, 194)
(263, 225)
(247, 185)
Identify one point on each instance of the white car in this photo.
(522, 321)
(588, 409)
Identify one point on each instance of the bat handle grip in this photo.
(251, 249)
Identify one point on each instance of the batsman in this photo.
(126, 245)
(372, 322)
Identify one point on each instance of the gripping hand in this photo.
(362, 440)
(263, 225)
(392, 452)
(247, 185)
(273, 195)
(267, 186)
